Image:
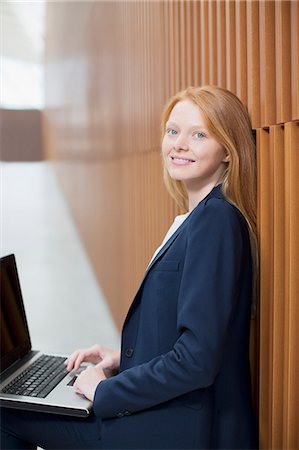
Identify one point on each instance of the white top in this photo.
(178, 220)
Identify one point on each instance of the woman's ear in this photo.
(226, 158)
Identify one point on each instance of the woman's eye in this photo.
(171, 131)
(200, 135)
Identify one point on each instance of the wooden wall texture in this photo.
(110, 66)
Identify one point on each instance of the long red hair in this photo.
(227, 120)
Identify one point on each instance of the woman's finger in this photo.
(70, 361)
(79, 356)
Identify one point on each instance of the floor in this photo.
(65, 306)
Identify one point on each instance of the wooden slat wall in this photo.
(110, 66)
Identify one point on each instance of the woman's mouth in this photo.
(181, 161)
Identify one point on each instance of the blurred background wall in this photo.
(110, 66)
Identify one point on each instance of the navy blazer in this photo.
(184, 378)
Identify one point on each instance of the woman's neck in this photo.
(196, 196)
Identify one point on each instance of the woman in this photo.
(182, 378)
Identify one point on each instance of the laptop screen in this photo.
(15, 339)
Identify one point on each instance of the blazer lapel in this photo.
(216, 192)
(167, 245)
(160, 253)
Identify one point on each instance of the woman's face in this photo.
(190, 154)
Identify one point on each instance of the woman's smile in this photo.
(181, 160)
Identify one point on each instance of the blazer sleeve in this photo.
(207, 297)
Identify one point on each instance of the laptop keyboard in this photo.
(40, 378)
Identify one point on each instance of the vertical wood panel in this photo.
(267, 62)
(212, 30)
(253, 55)
(277, 144)
(172, 78)
(230, 45)
(221, 44)
(266, 281)
(291, 406)
(183, 44)
(196, 43)
(189, 61)
(204, 42)
(295, 58)
(241, 51)
(148, 62)
(176, 42)
(283, 61)
(167, 45)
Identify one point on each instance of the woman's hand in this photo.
(106, 359)
(88, 380)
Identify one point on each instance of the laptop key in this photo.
(52, 385)
(43, 375)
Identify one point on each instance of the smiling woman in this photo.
(222, 117)
(182, 376)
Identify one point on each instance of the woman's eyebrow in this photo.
(193, 127)
(199, 127)
(170, 123)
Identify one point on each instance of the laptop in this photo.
(29, 379)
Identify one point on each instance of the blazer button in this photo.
(129, 352)
(120, 414)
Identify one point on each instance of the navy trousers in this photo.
(27, 430)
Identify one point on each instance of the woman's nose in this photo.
(181, 143)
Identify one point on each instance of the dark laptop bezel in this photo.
(9, 263)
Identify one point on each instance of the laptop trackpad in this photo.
(72, 382)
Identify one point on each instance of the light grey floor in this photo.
(64, 304)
